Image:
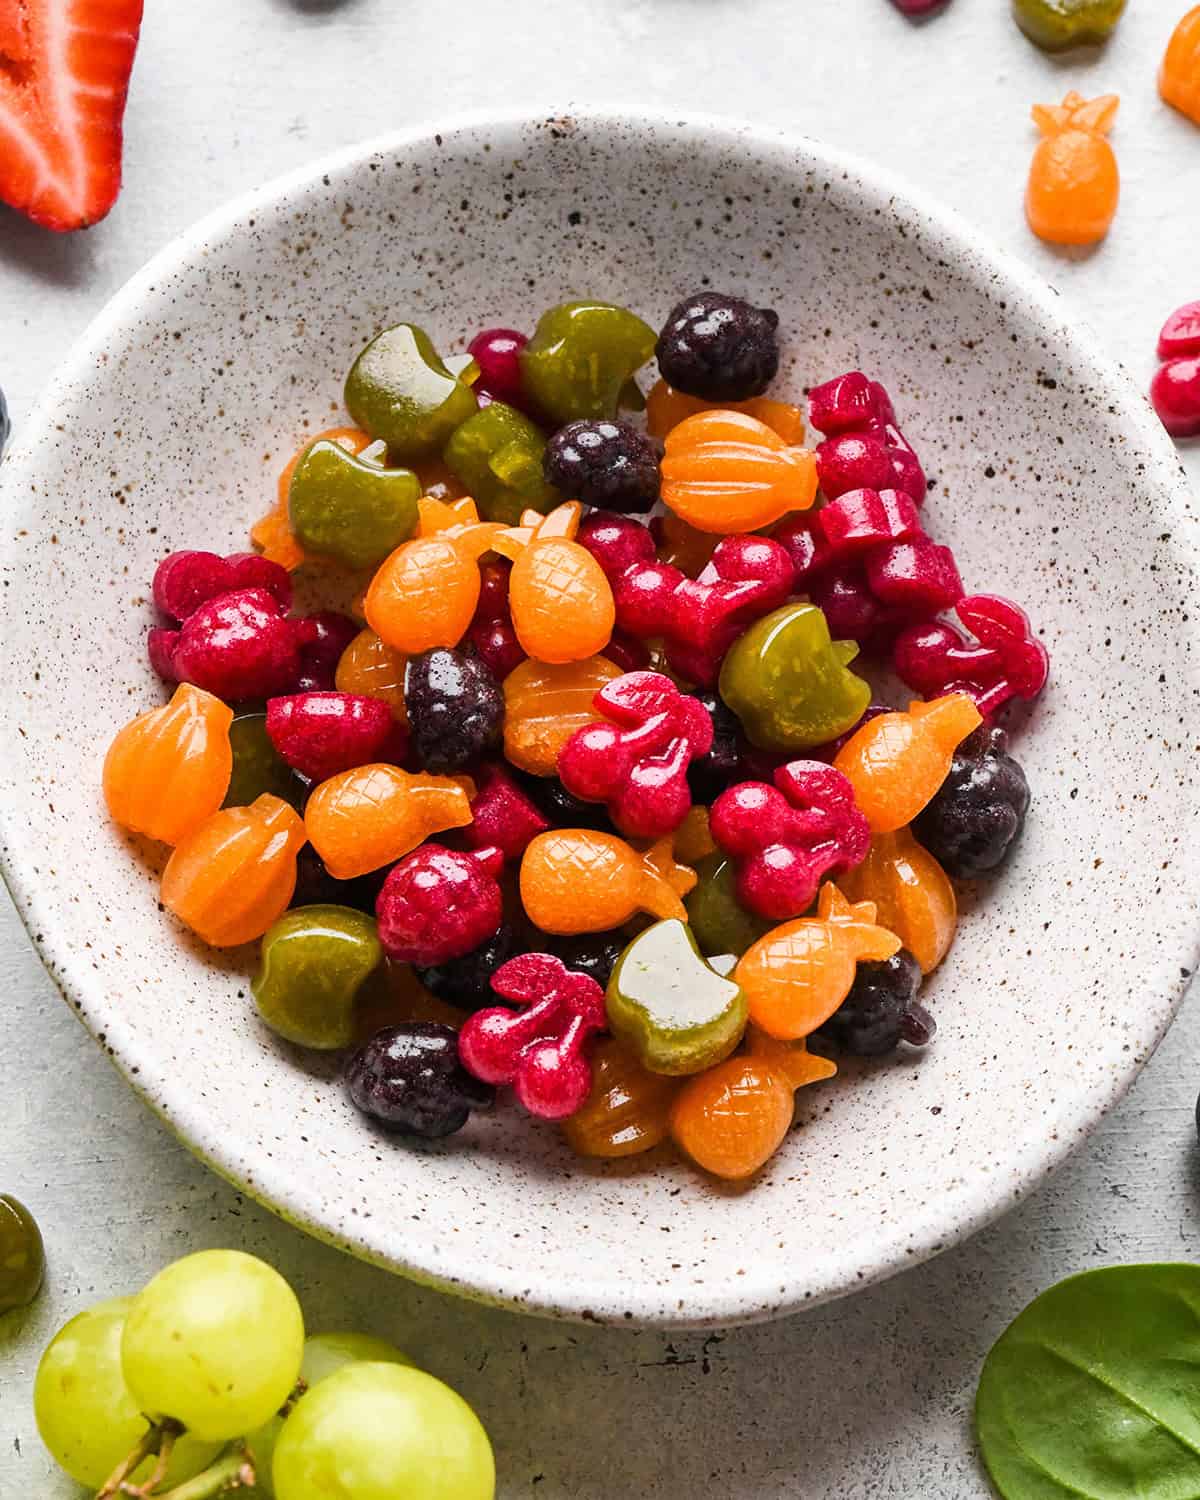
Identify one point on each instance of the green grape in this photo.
(22, 1255)
(257, 766)
(85, 1414)
(324, 1355)
(383, 1432)
(214, 1341)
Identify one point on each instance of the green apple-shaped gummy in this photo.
(350, 508)
(497, 454)
(719, 921)
(673, 1011)
(1058, 24)
(257, 766)
(399, 390)
(314, 960)
(788, 683)
(582, 357)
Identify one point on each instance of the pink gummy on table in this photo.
(1006, 660)
(1181, 332)
(919, 7)
(1175, 392)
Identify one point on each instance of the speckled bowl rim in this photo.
(959, 1213)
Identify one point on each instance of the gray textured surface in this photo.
(868, 1397)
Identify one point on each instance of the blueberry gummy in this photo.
(719, 348)
(455, 708)
(881, 1010)
(409, 1079)
(467, 981)
(976, 817)
(608, 464)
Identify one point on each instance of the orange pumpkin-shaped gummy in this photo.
(576, 880)
(1074, 183)
(897, 762)
(229, 879)
(725, 471)
(912, 894)
(544, 705)
(561, 602)
(373, 815)
(667, 407)
(1179, 77)
(628, 1110)
(369, 667)
(733, 1118)
(272, 536)
(169, 769)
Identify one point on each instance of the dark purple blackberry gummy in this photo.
(455, 708)
(592, 953)
(603, 463)
(718, 348)
(409, 1079)
(467, 981)
(881, 1010)
(979, 811)
(722, 766)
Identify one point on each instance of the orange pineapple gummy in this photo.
(628, 1109)
(797, 975)
(912, 894)
(229, 879)
(897, 762)
(727, 472)
(794, 1063)
(1179, 77)
(732, 1119)
(667, 407)
(374, 670)
(544, 705)
(169, 769)
(272, 536)
(1074, 183)
(575, 880)
(363, 819)
(561, 602)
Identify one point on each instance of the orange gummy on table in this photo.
(1179, 77)
(576, 880)
(667, 407)
(234, 875)
(168, 770)
(732, 1119)
(628, 1110)
(912, 894)
(1074, 183)
(545, 704)
(725, 471)
(369, 667)
(797, 975)
(368, 817)
(897, 762)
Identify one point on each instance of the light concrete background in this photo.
(869, 1397)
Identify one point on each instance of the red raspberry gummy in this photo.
(322, 638)
(1008, 661)
(503, 816)
(438, 904)
(186, 580)
(236, 646)
(1175, 392)
(496, 645)
(320, 734)
(637, 763)
(786, 839)
(1181, 332)
(497, 353)
(540, 1049)
(864, 449)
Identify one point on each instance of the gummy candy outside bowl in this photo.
(165, 427)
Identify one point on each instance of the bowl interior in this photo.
(167, 427)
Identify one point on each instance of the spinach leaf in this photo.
(1093, 1393)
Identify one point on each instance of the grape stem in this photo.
(152, 1441)
(231, 1470)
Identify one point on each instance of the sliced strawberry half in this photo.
(64, 75)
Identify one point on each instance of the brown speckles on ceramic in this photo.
(1054, 484)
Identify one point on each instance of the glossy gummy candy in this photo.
(581, 360)
(591, 953)
(1179, 77)
(603, 463)
(680, 545)
(545, 704)
(628, 1109)
(667, 407)
(559, 598)
(408, 1079)
(257, 766)
(897, 762)
(370, 668)
(168, 770)
(1180, 334)
(1074, 183)
(455, 708)
(1058, 24)
(374, 814)
(979, 810)
(1006, 660)
(912, 896)
(710, 774)
(320, 734)
(636, 759)
(497, 454)
(186, 580)
(732, 1119)
(22, 1252)
(502, 815)
(881, 1010)
(322, 638)
(580, 880)
(315, 960)
(718, 920)
(236, 646)
(400, 392)
(673, 1012)
(438, 904)
(864, 448)
(920, 7)
(1175, 392)
(725, 471)
(540, 1050)
(788, 682)
(718, 347)
(346, 504)
(497, 352)
(466, 981)
(494, 641)
(785, 839)
(798, 974)
(233, 876)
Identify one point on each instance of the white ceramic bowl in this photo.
(166, 427)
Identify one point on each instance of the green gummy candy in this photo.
(497, 455)
(314, 960)
(581, 360)
(348, 508)
(257, 766)
(719, 921)
(400, 391)
(1057, 24)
